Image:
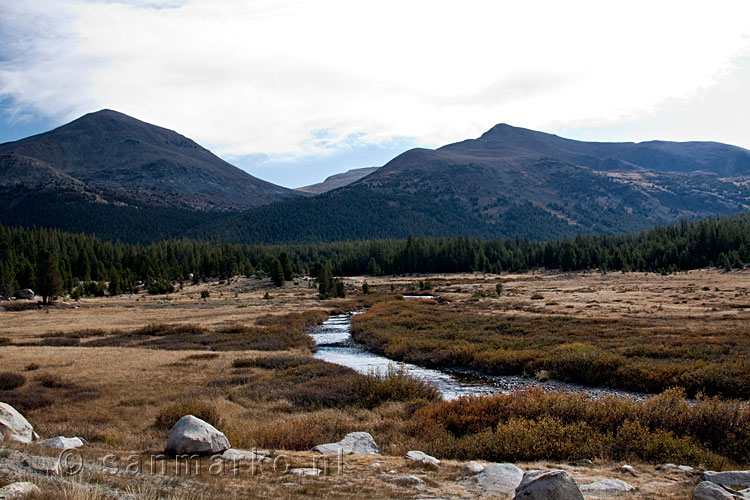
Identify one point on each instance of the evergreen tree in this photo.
(49, 282)
(277, 272)
(372, 267)
(286, 265)
(326, 283)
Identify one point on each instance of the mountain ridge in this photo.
(143, 164)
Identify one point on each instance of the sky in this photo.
(294, 91)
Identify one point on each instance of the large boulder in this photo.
(354, 443)
(64, 443)
(499, 479)
(422, 458)
(26, 294)
(548, 485)
(712, 491)
(728, 478)
(16, 491)
(192, 436)
(14, 426)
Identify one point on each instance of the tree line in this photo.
(50, 260)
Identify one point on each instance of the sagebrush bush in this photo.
(10, 381)
(168, 416)
(662, 428)
(620, 353)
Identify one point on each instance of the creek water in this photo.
(336, 345)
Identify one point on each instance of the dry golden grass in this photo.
(112, 396)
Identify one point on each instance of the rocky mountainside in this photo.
(338, 180)
(115, 159)
(515, 182)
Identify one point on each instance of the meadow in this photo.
(120, 371)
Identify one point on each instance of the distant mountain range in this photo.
(338, 180)
(117, 177)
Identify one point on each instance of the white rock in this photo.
(354, 443)
(305, 471)
(548, 485)
(712, 491)
(19, 490)
(193, 436)
(607, 486)
(413, 481)
(25, 294)
(14, 426)
(728, 478)
(63, 443)
(472, 468)
(685, 468)
(499, 479)
(628, 469)
(422, 457)
(236, 455)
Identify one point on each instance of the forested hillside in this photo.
(29, 256)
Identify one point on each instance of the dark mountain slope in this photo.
(120, 157)
(338, 180)
(513, 182)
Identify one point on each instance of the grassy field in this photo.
(673, 334)
(119, 371)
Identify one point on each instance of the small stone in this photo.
(422, 458)
(412, 481)
(472, 468)
(235, 455)
(63, 443)
(607, 486)
(305, 471)
(628, 469)
(354, 443)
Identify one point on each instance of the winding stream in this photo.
(336, 345)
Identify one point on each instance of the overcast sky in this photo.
(294, 91)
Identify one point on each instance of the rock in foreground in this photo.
(422, 458)
(14, 426)
(354, 443)
(192, 436)
(499, 479)
(20, 490)
(63, 443)
(712, 491)
(548, 485)
(728, 478)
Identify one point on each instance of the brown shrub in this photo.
(167, 417)
(26, 400)
(10, 381)
(61, 341)
(668, 427)
(51, 381)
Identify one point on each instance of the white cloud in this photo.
(264, 76)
